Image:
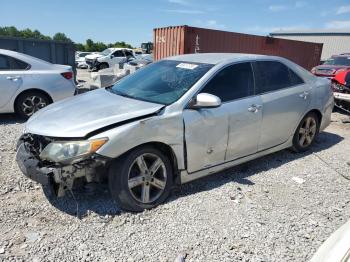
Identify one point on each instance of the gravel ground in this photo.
(277, 208)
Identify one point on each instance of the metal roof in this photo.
(213, 58)
(312, 32)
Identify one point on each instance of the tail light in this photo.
(67, 75)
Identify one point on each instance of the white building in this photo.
(335, 42)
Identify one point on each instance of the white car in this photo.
(109, 58)
(336, 248)
(28, 84)
(80, 59)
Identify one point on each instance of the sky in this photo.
(133, 21)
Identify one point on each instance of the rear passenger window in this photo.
(118, 53)
(295, 79)
(233, 82)
(9, 63)
(4, 62)
(19, 65)
(271, 76)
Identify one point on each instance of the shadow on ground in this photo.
(101, 203)
(6, 119)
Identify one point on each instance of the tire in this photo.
(129, 185)
(30, 102)
(103, 66)
(305, 134)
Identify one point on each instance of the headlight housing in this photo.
(71, 151)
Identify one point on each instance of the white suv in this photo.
(109, 58)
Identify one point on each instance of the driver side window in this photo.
(231, 83)
(4, 63)
(118, 53)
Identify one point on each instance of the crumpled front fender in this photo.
(166, 129)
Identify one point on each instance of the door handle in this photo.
(254, 108)
(13, 78)
(304, 95)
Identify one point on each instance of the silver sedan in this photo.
(28, 84)
(174, 121)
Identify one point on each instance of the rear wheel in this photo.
(306, 133)
(30, 102)
(140, 180)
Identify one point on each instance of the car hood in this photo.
(336, 67)
(93, 56)
(78, 116)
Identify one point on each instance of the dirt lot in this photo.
(277, 208)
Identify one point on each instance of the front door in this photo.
(206, 137)
(216, 135)
(118, 58)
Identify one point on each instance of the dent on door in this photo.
(206, 134)
(244, 127)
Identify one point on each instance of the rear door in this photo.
(129, 55)
(216, 135)
(11, 77)
(285, 98)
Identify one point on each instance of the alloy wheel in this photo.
(32, 104)
(147, 178)
(307, 131)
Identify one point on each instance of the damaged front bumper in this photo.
(61, 177)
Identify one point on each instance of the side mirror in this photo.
(112, 56)
(204, 100)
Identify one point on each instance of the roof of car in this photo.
(119, 48)
(215, 58)
(33, 61)
(224, 58)
(342, 55)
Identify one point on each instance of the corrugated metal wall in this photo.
(51, 51)
(332, 44)
(177, 40)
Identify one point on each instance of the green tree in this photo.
(61, 37)
(99, 46)
(89, 46)
(80, 47)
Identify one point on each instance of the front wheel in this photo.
(306, 133)
(103, 66)
(142, 179)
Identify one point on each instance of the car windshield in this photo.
(106, 52)
(163, 82)
(340, 60)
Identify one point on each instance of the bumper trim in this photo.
(30, 167)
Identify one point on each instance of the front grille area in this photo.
(34, 143)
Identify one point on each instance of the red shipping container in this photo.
(178, 40)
